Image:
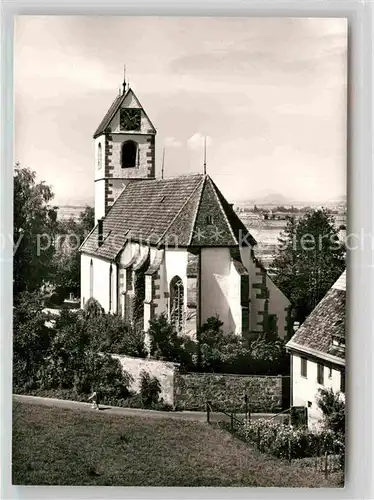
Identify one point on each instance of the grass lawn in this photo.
(55, 446)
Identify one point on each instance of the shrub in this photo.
(165, 343)
(150, 389)
(220, 351)
(66, 356)
(103, 374)
(31, 340)
(333, 408)
(92, 309)
(284, 441)
(110, 333)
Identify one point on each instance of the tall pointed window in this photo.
(99, 156)
(129, 154)
(91, 278)
(110, 288)
(177, 303)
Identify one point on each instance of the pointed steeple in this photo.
(124, 80)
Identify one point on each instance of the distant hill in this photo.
(278, 199)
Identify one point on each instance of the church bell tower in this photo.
(124, 149)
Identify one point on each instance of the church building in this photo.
(172, 245)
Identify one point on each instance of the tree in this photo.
(67, 258)
(34, 227)
(333, 409)
(309, 260)
(31, 340)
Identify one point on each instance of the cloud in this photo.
(172, 142)
(196, 141)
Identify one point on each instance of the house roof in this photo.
(171, 212)
(326, 321)
(116, 104)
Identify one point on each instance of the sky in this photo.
(270, 95)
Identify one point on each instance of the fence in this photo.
(325, 454)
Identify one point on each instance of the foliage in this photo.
(333, 408)
(71, 234)
(150, 389)
(139, 297)
(309, 260)
(219, 350)
(110, 333)
(92, 309)
(269, 356)
(165, 343)
(31, 340)
(103, 374)
(34, 227)
(285, 441)
(216, 350)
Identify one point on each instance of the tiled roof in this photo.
(170, 211)
(109, 115)
(326, 321)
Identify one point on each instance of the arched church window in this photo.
(129, 153)
(177, 303)
(91, 278)
(110, 287)
(99, 156)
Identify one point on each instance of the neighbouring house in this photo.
(172, 245)
(318, 351)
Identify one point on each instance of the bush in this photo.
(92, 309)
(333, 408)
(150, 389)
(165, 343)
(109, 333)
(31, 341)
(284, 441)
(103, 374)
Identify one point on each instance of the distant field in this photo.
(54, 446)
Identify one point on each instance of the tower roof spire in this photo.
(124, 79)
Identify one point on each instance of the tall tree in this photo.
(309, 260)
(67, 257)
(34, 227)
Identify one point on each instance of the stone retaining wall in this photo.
(163, 370)
(227, 391)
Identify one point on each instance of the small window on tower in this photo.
(209, 220)
(99, 156)
(129, 153)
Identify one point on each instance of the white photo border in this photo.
(360, 270)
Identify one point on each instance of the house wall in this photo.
(305, 389)
(101, 270)
(220, 288)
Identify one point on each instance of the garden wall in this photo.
(163, 370)
(266, 394)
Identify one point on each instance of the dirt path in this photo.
(195, 416)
